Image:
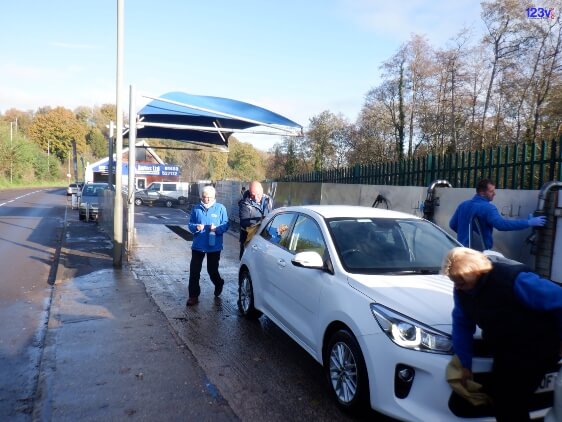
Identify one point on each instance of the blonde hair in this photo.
(460, 262)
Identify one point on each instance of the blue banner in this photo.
(142, 169)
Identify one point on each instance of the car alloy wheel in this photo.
(346, 372)
(169, 204)
(138, 202)
(246, 296)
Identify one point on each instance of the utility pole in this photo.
(118, 202)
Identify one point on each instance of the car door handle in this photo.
(281, 263)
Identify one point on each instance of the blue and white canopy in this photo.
(208, 121)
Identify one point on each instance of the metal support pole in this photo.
(132, 162)
(118, 203)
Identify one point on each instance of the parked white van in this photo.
(166, 193)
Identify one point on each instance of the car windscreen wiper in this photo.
(413, 271)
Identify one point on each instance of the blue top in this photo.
(216, 214)
(488, 218)
(533, 291)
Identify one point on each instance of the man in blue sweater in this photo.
(520, 315)
(208, 222)
(480, 212)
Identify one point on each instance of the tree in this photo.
(244, 161)
(321, 139)
(97, 142)
(500, 19)
(20, 119)
(287, 158)
(55, 130)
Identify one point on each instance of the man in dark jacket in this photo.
(253, 207)
(520, 315)
(481, 212)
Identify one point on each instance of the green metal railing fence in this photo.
(526, 166)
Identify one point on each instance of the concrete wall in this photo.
(512, 204)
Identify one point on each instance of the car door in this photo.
(271, 248)
(294, 292)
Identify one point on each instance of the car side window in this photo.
(169, 187)
(277, 231)
(306, 236)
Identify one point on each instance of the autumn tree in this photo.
(55, 130)
(244, 161)
(287, 158)
(20, 119)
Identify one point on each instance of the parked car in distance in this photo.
(143, 197)
(89, 205)
(72, 188)
(360, 290)
(165, 193)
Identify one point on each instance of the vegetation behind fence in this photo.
(514, 166)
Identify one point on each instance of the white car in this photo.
(359, 289)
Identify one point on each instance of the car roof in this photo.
(335, 211)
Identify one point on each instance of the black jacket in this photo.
(509, 327)
(250, 213)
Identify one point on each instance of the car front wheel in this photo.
(138, 202)
(246, 296)
(169, 203)
(346, 372)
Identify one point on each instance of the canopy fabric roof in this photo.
(207, 120)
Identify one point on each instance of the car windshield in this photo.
(93, 190)
(390, 246)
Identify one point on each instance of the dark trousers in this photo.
(195, 265)
(513, 383)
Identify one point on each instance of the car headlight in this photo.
(411, 334)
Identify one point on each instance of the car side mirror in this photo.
(308, 259)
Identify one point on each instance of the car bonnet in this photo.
(425, 298)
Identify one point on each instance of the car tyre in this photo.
(346, 372)
(246, 296)
(182, 200)
(138, 202)
(169, 203)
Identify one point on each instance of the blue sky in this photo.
(297, 58)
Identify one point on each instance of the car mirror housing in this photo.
(308, 259)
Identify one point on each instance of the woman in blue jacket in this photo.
(208, 222)
(520, 315)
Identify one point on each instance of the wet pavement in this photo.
(109, 351)
(121, 343)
